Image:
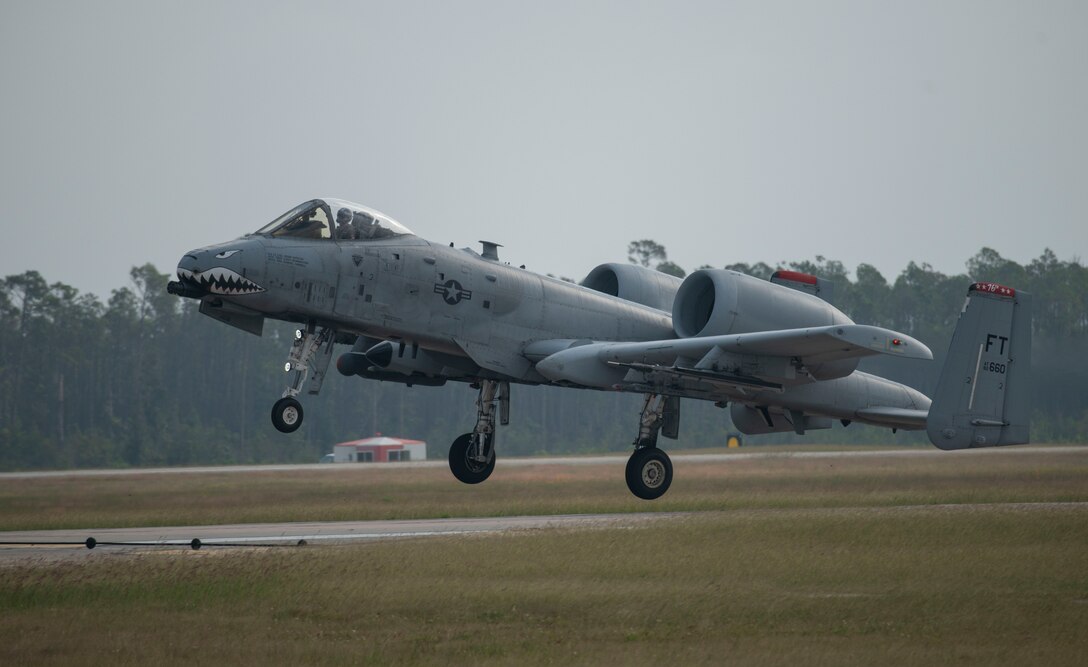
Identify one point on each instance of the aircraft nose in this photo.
(185, 285)
(222, 269)
(188, 262)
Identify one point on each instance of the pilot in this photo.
(368, 227)
(344, 229)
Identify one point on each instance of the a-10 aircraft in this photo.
(776, 354)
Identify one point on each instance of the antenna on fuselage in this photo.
(491, 250)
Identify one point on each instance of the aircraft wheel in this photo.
(649, 473)
(464, 467)
(287, 415)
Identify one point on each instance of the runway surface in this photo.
(66, 545)
(610, 459)
(44, 546)
(70, 544)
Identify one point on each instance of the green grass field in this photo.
(355, 492)
(793, 561)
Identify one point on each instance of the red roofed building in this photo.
(379, 449)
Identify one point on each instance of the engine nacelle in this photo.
(634, 283)
(714, 302)
(751, 421)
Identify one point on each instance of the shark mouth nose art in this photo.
(218, 280)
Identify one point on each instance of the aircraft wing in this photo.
(817, 344)
(604, 364)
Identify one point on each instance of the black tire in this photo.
(287, 415)
(469, 470)
(649, 473)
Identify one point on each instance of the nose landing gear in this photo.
(287, 414)
(311, 350)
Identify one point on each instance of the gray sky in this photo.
(727, 131)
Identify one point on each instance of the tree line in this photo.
(144, 379)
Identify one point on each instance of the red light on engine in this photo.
(896, 341)
(795, 276)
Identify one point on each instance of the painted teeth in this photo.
(218, 280)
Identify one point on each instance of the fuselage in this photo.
(405, 288)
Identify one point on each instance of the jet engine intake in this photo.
(634, 283)
(715, 302)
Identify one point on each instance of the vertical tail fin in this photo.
(982, 399)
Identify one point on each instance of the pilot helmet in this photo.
(343, 216)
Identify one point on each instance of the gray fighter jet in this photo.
(774, 352)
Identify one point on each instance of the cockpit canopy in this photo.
(334, 219)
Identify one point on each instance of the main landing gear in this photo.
(311, 350)
(472, 455)
(649, 470)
